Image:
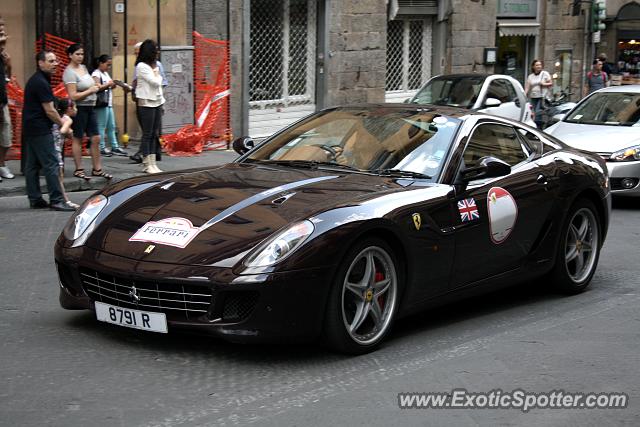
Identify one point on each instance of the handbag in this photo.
(102, 97)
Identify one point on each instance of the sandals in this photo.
(101, 173)
(79, 173)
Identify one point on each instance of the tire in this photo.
(579, 249)
(364, 298)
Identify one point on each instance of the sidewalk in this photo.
(119, 166)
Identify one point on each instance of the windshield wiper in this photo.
(311, 164)
(306, 164)
(402, 174)
(339, 166)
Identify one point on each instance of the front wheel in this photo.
(363, 299)
(578, 255)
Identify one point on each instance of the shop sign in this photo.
(517, 8)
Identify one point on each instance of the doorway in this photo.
(515, 53)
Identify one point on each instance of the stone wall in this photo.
(357, 51)
(472, 28)
(561, 31)
(210, 17)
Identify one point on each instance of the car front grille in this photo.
(177, 300)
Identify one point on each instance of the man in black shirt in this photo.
(38, 116)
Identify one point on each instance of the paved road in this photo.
(62, 368)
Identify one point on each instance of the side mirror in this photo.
(558, 117)
(489, 167)
(492, 102)
(243, 144)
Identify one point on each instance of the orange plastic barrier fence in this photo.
(212, 79)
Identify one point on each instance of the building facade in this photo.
(292, 57)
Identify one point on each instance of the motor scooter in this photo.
(552, 111)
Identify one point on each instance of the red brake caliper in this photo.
(378, 278)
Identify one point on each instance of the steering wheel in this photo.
(329, 149)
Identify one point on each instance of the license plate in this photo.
(137, 319)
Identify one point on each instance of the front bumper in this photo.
(274, 307)
(621, 171)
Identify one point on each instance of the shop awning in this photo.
(518, 27)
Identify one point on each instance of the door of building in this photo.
(71, 20)
(282, 84)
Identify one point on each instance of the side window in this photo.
(532, 142)
(499, 90)
(513, 95)
(497, 141)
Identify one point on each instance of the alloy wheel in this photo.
(369, 294)
(581, 245)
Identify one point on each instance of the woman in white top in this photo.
(82, 90)
(537, 89)
(150, 100)
(104, 113)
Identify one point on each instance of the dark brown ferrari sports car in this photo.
(338, 225)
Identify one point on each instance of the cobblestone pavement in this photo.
(63, 368)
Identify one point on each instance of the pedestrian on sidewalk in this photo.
(137, 157)
(5, 117)
(596, 78)
(150, 100)
(66, 109)
(82, 90)
(104, 111)
(38, 116)
(536, 88)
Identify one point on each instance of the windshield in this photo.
(460, 91)
(608, 108)
(366, 140)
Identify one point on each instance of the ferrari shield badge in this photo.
(177, 232)
(417, 220)
(503, 212)
(149, 249)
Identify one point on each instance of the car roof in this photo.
(623, 88)
(481, 75)
(444, 110)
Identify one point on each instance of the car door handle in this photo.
(541, 179)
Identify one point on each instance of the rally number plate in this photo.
(145, 320)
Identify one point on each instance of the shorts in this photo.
(85, 122)
(5, 128)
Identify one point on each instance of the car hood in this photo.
(595, 138)
(234, 208)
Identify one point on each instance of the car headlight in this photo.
(84, 218)
(278, 247)
(626, 155)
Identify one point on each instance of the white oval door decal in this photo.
(503, 212)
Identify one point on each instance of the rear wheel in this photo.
(363, 299)
(577, 258)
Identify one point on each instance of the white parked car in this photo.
(607, 122)
(495, 94)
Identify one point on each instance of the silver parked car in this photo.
(495, 94)
(607, 122)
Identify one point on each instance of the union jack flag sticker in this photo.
(468, 210)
